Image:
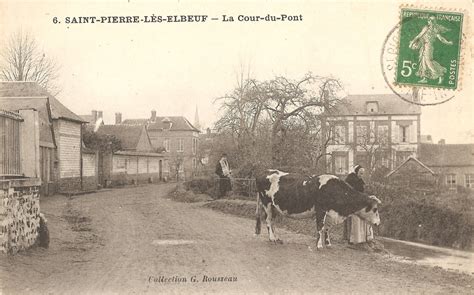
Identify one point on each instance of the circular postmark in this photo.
(413, 94)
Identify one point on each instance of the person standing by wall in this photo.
(357, 230)
(224, 172)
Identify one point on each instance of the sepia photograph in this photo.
(236, 147)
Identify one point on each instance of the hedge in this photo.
(440, 218)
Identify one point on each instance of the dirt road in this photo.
(137, 240)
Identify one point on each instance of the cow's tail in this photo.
(258, 224)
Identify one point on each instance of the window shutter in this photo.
(395, 132)
(408, 133)
(413, 132)
(350, 132)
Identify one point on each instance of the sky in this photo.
(175, 68)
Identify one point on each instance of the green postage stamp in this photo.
(429, 48)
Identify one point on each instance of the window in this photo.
(372, 107)
(180, 145)
(361, 159)
(469, 180)
(362, 134)
(382, 159)
(402, 156)
(382, 134)
(10, 162)
(166, 144)
(339, 134)
(451, 180)
(340, 163)
(404, 134)
(195, 143)
(194, 164)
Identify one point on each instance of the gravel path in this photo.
(137, 240)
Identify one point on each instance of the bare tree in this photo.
(297, 101)
(279, 122)
(22, 60)
(374, 144)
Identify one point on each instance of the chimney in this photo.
(99, 115)
(94, 116)
(118, 118)
(442, 141)
(153, 115)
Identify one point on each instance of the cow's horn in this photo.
(375, 199)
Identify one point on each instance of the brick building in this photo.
(60, 134)
(177, 137)
(371, 130)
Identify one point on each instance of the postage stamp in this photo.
(429, 49)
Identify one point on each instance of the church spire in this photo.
(196, 119)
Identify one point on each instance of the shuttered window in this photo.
(9, 146)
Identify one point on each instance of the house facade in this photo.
(453, 163)
(371, 130)
(136, 162)
(60, 134)
(179, 140)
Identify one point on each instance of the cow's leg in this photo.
(271, 232)
(320, 218)
(327, 227)
(258, 216)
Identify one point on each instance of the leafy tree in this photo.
(101, 143)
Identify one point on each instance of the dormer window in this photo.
(372, 107)
(166, 123)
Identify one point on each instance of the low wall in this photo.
(118, 179)
(69, 184)
(19, 214)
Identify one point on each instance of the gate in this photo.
(240, 186)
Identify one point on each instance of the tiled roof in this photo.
(416, 161)
(87, 118)
(21, 90)
(388, 104)
(178, 123)
(440, 155)
(129, 135)
(135, 121)
(39, 104)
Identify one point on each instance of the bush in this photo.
(202, 185)
(440, 218)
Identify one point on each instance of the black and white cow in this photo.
(326, 197)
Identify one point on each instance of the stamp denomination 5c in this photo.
(429, 48)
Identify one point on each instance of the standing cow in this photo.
(326, 197)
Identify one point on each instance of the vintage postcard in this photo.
(236, 147)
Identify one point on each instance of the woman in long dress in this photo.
(428, 68)
(360, 230)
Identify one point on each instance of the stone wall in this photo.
(19, 214)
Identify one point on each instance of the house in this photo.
(61, 155)
(414, 174)
(177, 137)
(371, 130)
(454, 163)
(136, 161)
